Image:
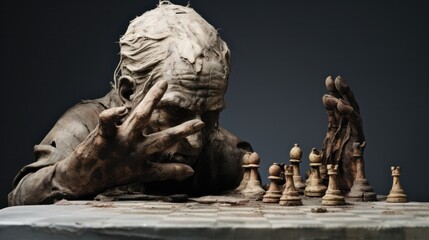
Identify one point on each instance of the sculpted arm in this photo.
(112, 154)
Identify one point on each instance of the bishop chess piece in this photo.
(295, 158)
(361, 190)
(254, 188)
(273, 194)
(396, 194)
(290, 195)
(315, 186)
(333, 196)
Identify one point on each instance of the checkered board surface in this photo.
(255, 220)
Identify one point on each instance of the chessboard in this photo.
(216, 220)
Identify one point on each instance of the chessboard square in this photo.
(193, 214)
(240, 214)
(285, 217)
(238, 209)
(332, 214)
(235, 223)
(294, 223)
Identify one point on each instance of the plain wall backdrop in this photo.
(55, 53)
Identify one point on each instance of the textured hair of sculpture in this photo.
(165, 35)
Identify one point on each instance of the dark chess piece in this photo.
(315, 187)
(396, 194)
(290, 195)
(361, 190)
(273, 194)
(295, 158)
(333, 196)
(254, 188)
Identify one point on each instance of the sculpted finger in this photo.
(344, 108)
(159, 141)
(138, 119)
(346, 92)
(166, 171)
(108, 120)
(330, 104)
(330, 85)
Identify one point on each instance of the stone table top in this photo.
(192, 220)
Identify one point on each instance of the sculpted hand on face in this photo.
(124, 151)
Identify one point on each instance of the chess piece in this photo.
(324, 174)
(246, 174)
(315, 187)
(290, 195)
(295, 158)
(361, 190)
(396, 194)
(333, 196)
(273, 194)
(254, 188)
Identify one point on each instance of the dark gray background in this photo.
(55, 53)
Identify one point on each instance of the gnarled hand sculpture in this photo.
(345, 141)
(157, 129)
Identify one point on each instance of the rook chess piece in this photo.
(315, 187)
(295, 158)
(273, 194)
(333, 196)
(396, 194)
(361, 190)
(254, 189)
(290, 195)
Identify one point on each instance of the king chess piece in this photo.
(333, 196)
(295, 159)
(361, 190)
(290, 195)
(315, 186)
(254, 188)
(396, 194)
(273, 194)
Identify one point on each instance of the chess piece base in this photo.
(333, 202)
(291, 203)
(314, 194)
(315, 190)
(333, 198)
(362, 191)
(397, 198)
(290, 199)
(272, 197)
(253, 190)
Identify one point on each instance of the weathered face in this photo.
(175, 44)
(195, 91)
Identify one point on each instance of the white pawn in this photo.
(273, 194)
(254, 188)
